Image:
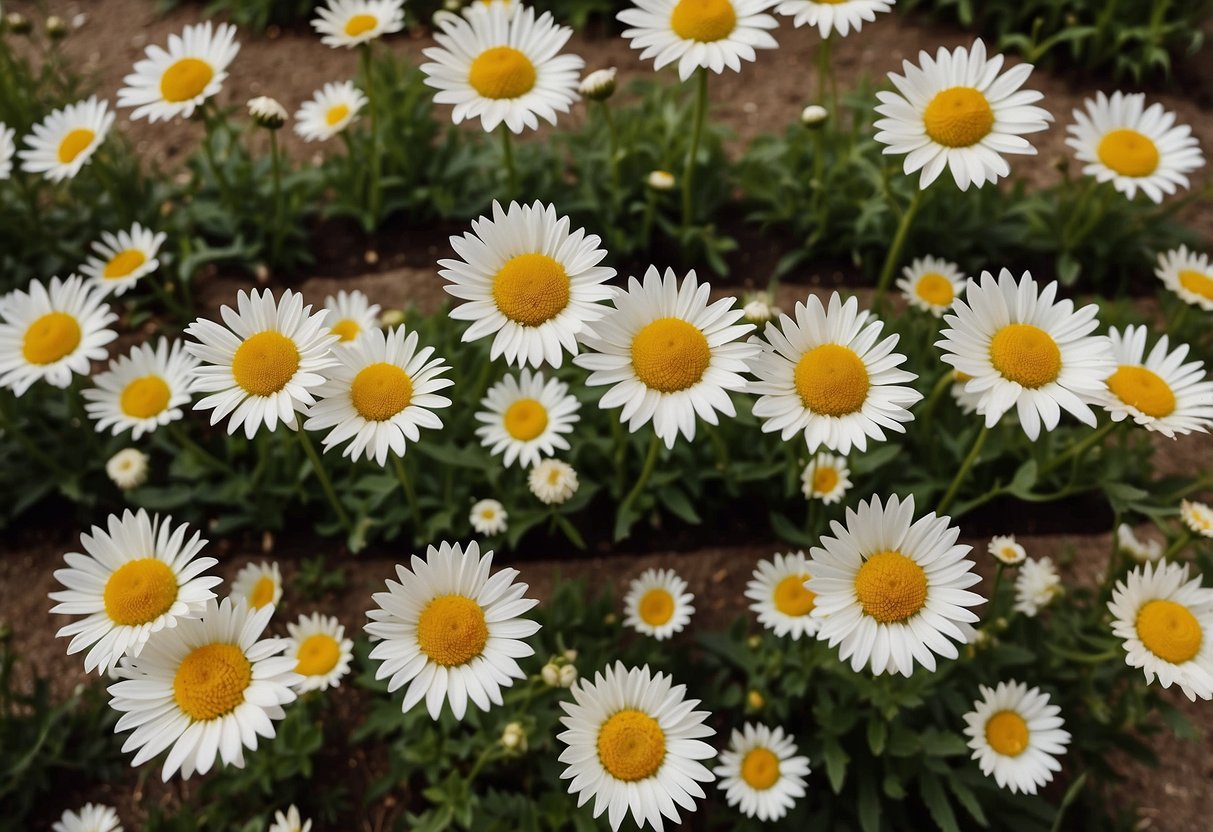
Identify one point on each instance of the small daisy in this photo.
(8, 149)
(1006, 550)
(669, 356)
(52, 332)
(127, 469)
(966, 401)
(1027, 350)
(173, 83)
(527, 417)
(1016, 736)
(893, 590)
(831, 16)
(142, 390)
(354, 22)
(657, 604)
(761, 773)
(931, 284)
(64, 141)
(291, 821)
(1160, 392)
(1036, 585)
(92, 817)
(1188, 275)
(1122, 141)
(258, 585)
(826, 375)
(321, 651)
(825, 478)
(634, 744)
(264, 364)
(350, 314)
(1142, 552)
(552, 481)
(488, 517)
(529, 282)
(1197, 516)
(204, 690)
(451, 631)
(956, 112)
(329, 112)
(1166, 621)
(707, 34)
(501, 66)
(781, 600)
(124, 258)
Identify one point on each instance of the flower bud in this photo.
(660, 180)
(513, 738)
(551, 675)
(56, 27)
(18, 23)
(814, 115)
(267, 113)
(391, 318)
(754, 700)
(599, 85)
(568, 675)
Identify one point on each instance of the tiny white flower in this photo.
(488, 517)
(127, 468)
(1036, 585)
(553, 481)
(1006, 549)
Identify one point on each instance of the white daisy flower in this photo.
(49, 333)
(761, 773)
(1141, 551)
(782, 602)
(831, 16)
(1036, 585)
(634, 744)
(708, 34)
(931, 284)
(1016, 736)
(892, 591)
(552, 481)
(501, 66)
(527, 417)
(330, 111)
(354, 22)
(1006, 550)
(1197, 516)
(1188, 275)
(257, 585)
(204, 690)
(142, 390)
(956, 112)
(657, 604)
(65, 141)
(1122, 141)
(123, 258)
(825, 375)
(450, 631)
(488, 517)
(264, 364)
(1160, 392)
(127, 469)
(1027, 350)
(321, 651)
(172, 83)
(92, 817)
(350, 314)
(291, 821)
(8, 148)
(968, 402)
(825, 478)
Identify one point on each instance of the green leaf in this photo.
(878, 732)
(836, 763)
(869, 803)
(937, 802)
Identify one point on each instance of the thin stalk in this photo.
(647, 471)
(1078, 448)
(954, 488)
(507, 158)
(322, 475)
(201, 454)
(410, 494)
(276, 167)
(928, 409)
(894, 256)
(1178, 318)
(688, 171)
(824, 69)
(1178, 545)
(372, 106)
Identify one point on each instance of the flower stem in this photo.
(1178, 318)
(1178, 546)
(1078, 448)
(647, 471)
(507, 158)
(613, 160)
(322, 475)
(688, 173)
(964, 470)
(894, 255)
(410, 494)
(201, 454)
(375, 197)
(276, 168)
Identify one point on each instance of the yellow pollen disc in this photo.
(958, 117)
(1007, 733)
(631, 745)
(347, 329)
(1197, 283)
(1025, 354)
(380, 391)
(318, 655)
(891, 587)
(123, 263)
(792, 598)
(185, 80)
(210, 681)
(554, 476)
(265, 362)
(1143, 389)
(525, 419)
(360, 23)
(670, 354)
(75, 143)
(50, 338)
(336, 114)
(452, 630)
(1128, 153)
(145, 397)
(824, 479)
(502, 72)
(935, 289)
(262, 592)
(531, 289)
(703, 20)
(1169, 631)
(656, 607)
(760, 769)
(832, 380)
(140, 591)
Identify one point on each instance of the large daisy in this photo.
(931, 284)
(782, 602)
(657, 604)
(123, 258)
(92, 817)
(831, 16)
(173, 83)
(321, 651)
(354, 22)
(142, 390)
(955, 111)
(711, 34)
(1188, 275)
(527, 417)
(8, 149)
(761, 773)
(1159, 392)
(1016, 736)
(329, 112)
(64, 141)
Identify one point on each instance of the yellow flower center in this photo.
(336, 114)
(656, 607)
(825, 479)
(1197, 283)
(265, 362)
(318, 655)
(140, 591)
(210, 681)
(531, 289)
(263, 592)
(631, 745)
(760, 769)
(1128, 153)
(123, 263)
(1143, 389)
(452, 630)
(380, 391)
(502, 72)
(360, 23)
(50, 338)
(525, 419)
(958, 117)
(1169, 631)
(75, 143)
(832, 380)
(792, 598)
(1026, 354)
(145, 397)
(935, 289)
(1007, 733)
(703, 20)
(670, 354)
(347, 329)
(185, 80)
(891, 587)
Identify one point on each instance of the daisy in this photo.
(529, 282)
(204, 690)
(501, 66)
(92, 817)
(527, 418)
(381, 393)
(8, 149)
(957, 112)
(142, 390)
(1006, 550)
(1122, 141)
(127, 469)
(65, 141)
(825, 478)
(891, 590)
(831, 16)
(968, 402)
(657, 604)
(264, 364)
(488, 517)
(826, 375)
(173, 83)
(124, 259)
(1160, 392)
(634, 744)
(291, 821)
(1166, 621)
(781, 600)
(52, 332)
(1026, 350)
(257, 585)
(1197, 516)
(350, 314)
(1142, 552)
(1036, 585)
(708, 34)
(931, 284)
(761, 772)
(1188, 275)
(668, 355)
(552, 481)
(1016, 736)
(329, 112)
(321, 651)
(354, 22)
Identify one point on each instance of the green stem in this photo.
(507, 158)
(964, 470)
(210, 121)
(372, 107)
(824, 70)
(613, 138)
(1178, 318)
(276, 167)
(894, 255)
(410, 494)
(322, 475)
(201, 454)
(1078, 448)
(928, 409)
(1178, 545)
(688, 171)
(647, 471)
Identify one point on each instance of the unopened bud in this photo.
(551, 675)
(599, 85)
(18, 23)
(568, 675)
(56, 27)
(814, 115)
(513, 738)
(266, 112)
(660, 180)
